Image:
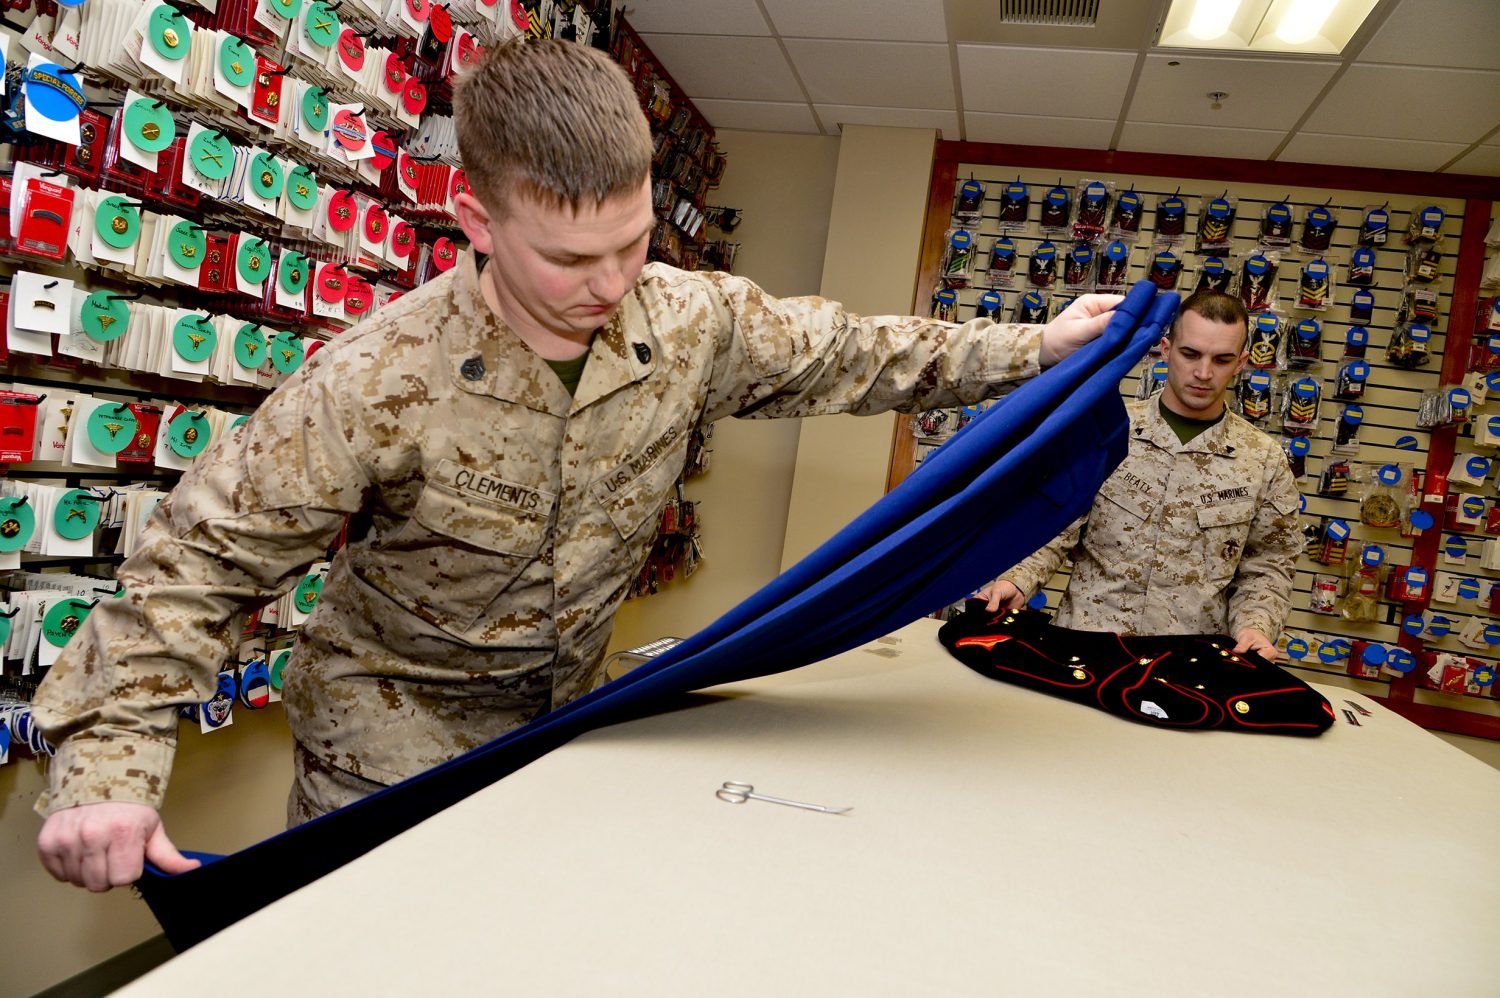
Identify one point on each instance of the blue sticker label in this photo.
(1389, 474)
(1478, 467)
(1116, 251)
(1279, 213)
(1338, 530)
(990, 301)
(1401, 660)
(1483, 675)
(1266, 322)
(1406, 442)
(1299, 446)
(1256, 265)
(1494, 425)
(1213, 266)
(1492, 381)
(1328, 653)
(1459, 398)
(1455, 546)
(1473, 507)
(1363, 256)
(52, 92)
(1433, 217)
(1492, 634)
(1218, 208)
(961, 239)
(1372, 557)
(1305, 389)
(1421, 519)
(1353, 415)
(1260, 381)
(1297, 648)
(1359, 371)
(1159, 371)
(1416, 577)
(1083, 253)
(1439, 626)
(1468, 589)
(1095, 192)
(1413, 624)
(1309, 329)
(1358, 336)
(1004, 248)
(1316, 269)
(1419, 333)
(1044, 251)
(1058, 196)
(1374, 654)
(1014, 192)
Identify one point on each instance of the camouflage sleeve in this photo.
(807, 356)
(244, 523)
(1261, 596)
(1032, 573)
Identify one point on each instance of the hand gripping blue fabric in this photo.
(1006, 484)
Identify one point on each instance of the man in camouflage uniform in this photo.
(500, 442)
(1196, 532)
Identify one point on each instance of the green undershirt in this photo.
(570, 372)
(1185, 428)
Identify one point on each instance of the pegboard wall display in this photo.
(1370, 365)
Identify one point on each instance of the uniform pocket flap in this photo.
(481, 525)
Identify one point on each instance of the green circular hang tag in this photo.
(322, 24)
(294, 272)
(302, 188)
(186, 243)
(236, 61)
(254, 261)
(315, 108)
(194, 338)
(266, 176)
(286, 352)
(249, 347)
(149, 125)
(308, 591)
(5, 628)
(63, 619)
(117, 222)
(212, 154)
(112, 427)
(188, 433)
(278, 667)
(287, 8)
(240, 420)
(104, 316)
(17, 523)
(170, 33)
(77, 513)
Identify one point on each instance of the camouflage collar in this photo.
(1146, 423)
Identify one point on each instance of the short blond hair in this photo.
(554, 120)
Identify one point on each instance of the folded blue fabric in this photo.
(1001, 488)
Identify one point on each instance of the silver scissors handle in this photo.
(735, 792)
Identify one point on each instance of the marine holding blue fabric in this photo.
(497, 509)
(1196, 531)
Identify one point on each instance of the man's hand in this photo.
(103, 845)
(1001, 593)
(1079, 323)
(1252, 640)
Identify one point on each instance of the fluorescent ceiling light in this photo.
(1315, 27)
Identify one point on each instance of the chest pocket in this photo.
(1224, 529)
(1118, 530)
(456, 555)
(634, 505)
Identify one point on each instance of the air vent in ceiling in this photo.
(1057, 13)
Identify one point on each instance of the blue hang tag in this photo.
(1116, 251)
(1044, 251)
(1358, 336)
(1159, 371)
(1459, 398)
(53, 92)
(1421, 519)
(1363, 257)
(1413, 624)
(1214, 266)
(1492, 382)
(1004, 248)
(1374, 654)
(1478, 467)
(1301, 503)
(1468, 588)
(1492, 634)
(1389, 474)
(1038, 602)
(1265, 322)
(1416, 577)
(1095, 192)
(1455, 546)
(1338, 530)
(1418, 333)
(1297, 648)
(1401, 660)
(1473, 507)
(991, 301)
(1083, 253)
(1372, 556)
(1433, 217)
(1483, 676)
(1260, 381)
(1493, 423)
(1328, 653)
(1439, 626)
(1218, 208)
(1353, 415)
(947, 296)
(1299, 446)
(1406, 442)
(961, 240)
(1309, 329)
(1359, 371)
(1305, 389)
(1316, 269)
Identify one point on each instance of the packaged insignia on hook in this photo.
(1091, 208)
(1015, 203)
(1214, 275)
(968, 204)
(1216, 224)
(1078, 268)
(1418, 304)
(1258, 270)
(1355, 341)
(1317, 229)
(1361, 306)
(1349, 383)
(1410, 345)
(1424, 264)
(1276, 225)
(1001, 272)
(1315, 287)
(945, 305)
(1254, 396)
(1114, 262)
(1041, 270)
(1361, 266)
(989, 305)
(1333, 481)
(1057, 211)
(1165, 268)
(1376, 225)
(1171, 218)
(1346, 431)
(1300, 404)
(1031, 308)
(1426, 226)
(958, 258)
(1304, 347)
(1264, 344)
(1125, 220)
(1298, 446)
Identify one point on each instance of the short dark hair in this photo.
(1215, 306)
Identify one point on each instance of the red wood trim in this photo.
(1452, 719)
(1244, 171)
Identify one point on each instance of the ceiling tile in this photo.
(1039, 130)
(1122, 24)
(728, 67)
(1191, 140)
(697, 17)
(1482, 162)
(833, 115)
(1262, 93)
(1361, 150)
(1432, 105)
(1070, 82)
(891, 20)
(892, 74)
(1459, 34)
(758, 116)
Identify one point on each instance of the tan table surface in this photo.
(1001, 842)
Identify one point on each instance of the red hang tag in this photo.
(458, 184)
(440, 24)
(46, 217)
(4, 326)
(469, 50)
(18, 411)
(265, 103)
(333, 283)
(351, 50)
(312, 346)
(218, 254)
(419, 10)
(377, 224)
(444, 254)
(350, 130)
(408, 168)
(403, 239)
(385, 146)
(342, 211)
(414, 96)
(7, 241)
(359, 297)
(518, 15)
(143, 446)
(1492, 520)
(394, 74)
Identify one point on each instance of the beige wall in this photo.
(874, 246)
(783, 185)
(228, 791)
